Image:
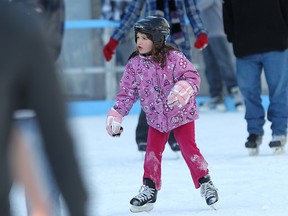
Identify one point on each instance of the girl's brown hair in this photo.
(159, 53)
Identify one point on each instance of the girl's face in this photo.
(143, 43)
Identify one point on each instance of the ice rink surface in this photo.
(113, 169)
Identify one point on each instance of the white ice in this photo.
(113, 168)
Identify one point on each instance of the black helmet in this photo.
(157, 27)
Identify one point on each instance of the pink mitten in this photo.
(180, 94)
(113, 123)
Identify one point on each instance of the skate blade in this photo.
(278, 150)
(145, 208)
(142, 155)
(253, 151)
(221, 107)
(240, 108)
(214, 206)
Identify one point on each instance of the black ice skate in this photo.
(277, 144)
(174, 147)
(146, 198)
(253, 143)
(209, 191)
(142, 146)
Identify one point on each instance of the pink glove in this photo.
(109, 49)
(180, 94)
(201, 41)
(113, 123)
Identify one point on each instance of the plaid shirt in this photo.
(183, 6)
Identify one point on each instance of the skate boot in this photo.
(238, 99)
(214, 103)
(142, 146)
(252, 144)
(174, 147)
(277, 144)
(209, 191)
(144, 201)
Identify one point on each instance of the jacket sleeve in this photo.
(55, 16)
(204, 4)
(128, 93)
(133, 14)
(228, 19)
(185, 70)
(193, 15)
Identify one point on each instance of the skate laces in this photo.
(208, 190)
(145, 193)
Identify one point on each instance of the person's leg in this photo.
(249, 80)
(196, 163)
(152, 163)
(212, 70)
(147, 196)
(44, 95)
(227, 66)
(173, 143)
(29, 128)
(275, 68)
(214, 79)
(276, 73)
(224, 57)
(5, 125)
(24, 171)
(185, 135)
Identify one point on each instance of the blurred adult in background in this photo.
(51, 15)
(176, 12)
(115, 10)
(258, 31)
(220, 67)
(29, 81)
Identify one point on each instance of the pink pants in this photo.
(185, 136)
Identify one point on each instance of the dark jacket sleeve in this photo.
(54, 24)
(228, 19)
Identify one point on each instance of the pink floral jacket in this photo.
(145, 80)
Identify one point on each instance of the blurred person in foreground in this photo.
(29, 81)
(51, 15)
(176, 12)
(258, 31)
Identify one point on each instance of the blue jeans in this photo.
(249, 69)
(220, 67)
(29, 127)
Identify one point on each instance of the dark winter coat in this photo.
(256, 26)
(52, 15)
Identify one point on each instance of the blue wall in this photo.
(94, 108)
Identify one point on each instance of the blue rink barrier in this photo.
(96, 108)
(89, 24)
(93, 23)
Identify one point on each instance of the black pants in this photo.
(28, 80)
(142, 130)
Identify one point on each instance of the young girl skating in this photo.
(166, 84)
